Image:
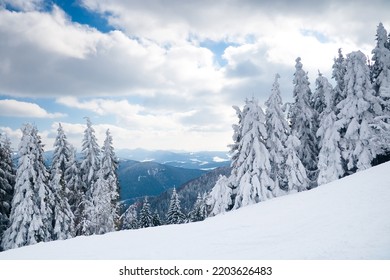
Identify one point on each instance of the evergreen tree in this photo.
(30, 218)
(303, 120)
(338, 74)
(380, 76)
(380, 70)
(63, 218)
(220, 197)
(329, 160)
(130, 218)
(356, 113)
(174, 214)
(7, 182)
(145, 216)
(76, 196)
(295, 171)
(199, 212)
(101, 216)
(277, 130)
(156, 219)
(250, 177)
(90, 166)
(109, 168)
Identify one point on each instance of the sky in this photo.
(164, 74)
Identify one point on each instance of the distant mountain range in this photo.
(138, 179)
(193, 160)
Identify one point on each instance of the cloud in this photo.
(20, 109)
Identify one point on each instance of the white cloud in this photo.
(20, 109)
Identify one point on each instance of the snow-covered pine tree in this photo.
(101, 214)
(329, 159)
(380, 76)
(303, 119)
(156, 219)
(174, 214)
(339, 69)
(30, 218)
(76, 195)
(250, 177)
(63, 218)
(90, 166)
(295, 171)
(199, 212)
(356, 113)
(380, 70)
(109, 166)
(145, 216)
(277, 130)
(130, 218)
(220, 197)
(7, 183)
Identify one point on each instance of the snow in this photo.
(345, 219)
(219, 159)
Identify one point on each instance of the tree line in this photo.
(323, 135)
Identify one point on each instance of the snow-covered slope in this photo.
(346, 219)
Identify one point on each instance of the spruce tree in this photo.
(156, 219)
(339, 69)
(277, 130)
(90, 166)
(109, 166)
(250, 176)
(130, 218)
(31, 216)
(199, 212)
(219, 200)
(329, 160)
(7, 182)
(356, 113)
(100, 214)
(380, 70)
(174, 214)
(63, 218)
(145, 216)
(303, 120)
(297, 179)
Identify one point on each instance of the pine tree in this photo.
(30, 218)
(156, 219)
(297, 179)
(63, 218)
(7, 182)
(90, 166)
(250, 177)
(91, 163)
(356, 113)
(338, 74)
(329, 160)
(101, 216)
(76, 195)
(145, 216)
(130, 218)
(174, 214)
(109, 168)
(303, 120)
(199, 212)
(220, 197)
(380, 71)
(380, 77)
(277, 130)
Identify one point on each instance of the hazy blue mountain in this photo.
(138, 179)
(195, 160)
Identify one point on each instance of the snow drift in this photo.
(345, 219)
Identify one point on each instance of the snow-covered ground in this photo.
(346, 219)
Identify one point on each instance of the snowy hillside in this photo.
(346, 219)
